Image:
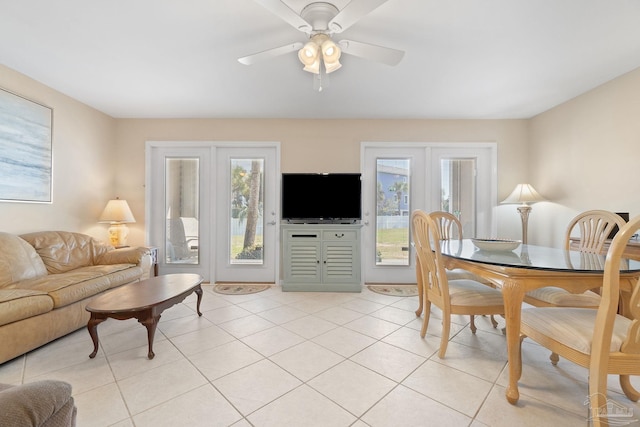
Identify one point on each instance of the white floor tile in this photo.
(250, 388)
(528, 412)
(272, 340)
(156, 386)
(302, 407)
(352, 386)
(259, 305)
(225, 314)
(282, 314)
(309, 326)
(102, 406)
(394, 315)
(338, 315)
(318, 359)
(344, 341)
(409, 339)
(136, 361)
(455, 389)
(203, 339)
(224, 359)
(182, 325)
(306, 360)
(373, 326)
(203, 406)
(406, 408)
(246, 326)
(388, 360)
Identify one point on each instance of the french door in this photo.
(247, 192)
(399, 178)
(212, 209)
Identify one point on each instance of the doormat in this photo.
(239, 288)
(395, 290)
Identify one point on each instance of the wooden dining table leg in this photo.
(513, 294)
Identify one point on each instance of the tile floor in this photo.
(305, 359)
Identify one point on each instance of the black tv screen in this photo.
(318, 197)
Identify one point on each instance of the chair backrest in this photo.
(449, 226)
(608, 308)
(594, 227)
(426, 237)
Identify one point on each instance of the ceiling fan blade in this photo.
(350, 14)
(271, 53)
(286, 13)
(386, 55)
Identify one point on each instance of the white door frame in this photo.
(423, 197)
(267, 271)
(154, 189)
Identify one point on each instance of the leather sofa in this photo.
(48, 277)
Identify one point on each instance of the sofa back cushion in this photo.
(18, 260)
(62, 251)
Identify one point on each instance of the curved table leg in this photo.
(198, 292)
(92, 326)
(150, 323)
(513, 295)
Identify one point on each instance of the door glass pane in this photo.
(458, 192)
(247, 219)
(392, 211)
(182, 209)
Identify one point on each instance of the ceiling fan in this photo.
(321, 20)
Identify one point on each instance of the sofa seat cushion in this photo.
(18, 260)
(67, 288)
(19, 304)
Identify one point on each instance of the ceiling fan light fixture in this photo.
(330, 51)
(313, 68)
(308, 54)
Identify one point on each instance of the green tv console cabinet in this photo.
(321, 257)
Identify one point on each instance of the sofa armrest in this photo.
(35, 404)
(124, 256)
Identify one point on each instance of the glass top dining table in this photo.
(529, 267)
(534, 257)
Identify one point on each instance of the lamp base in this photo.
(524, 215)
(118, 234)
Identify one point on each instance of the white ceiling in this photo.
(464, 58)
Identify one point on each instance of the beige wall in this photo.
(83, 172)
(320, 146)
(577, 155)
(585, 154)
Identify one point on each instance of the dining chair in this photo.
(458, 296)
(450, 228)
(601, 340)
(594, 228)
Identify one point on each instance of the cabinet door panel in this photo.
(338, 262)
(304, 262)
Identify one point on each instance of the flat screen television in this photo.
(321, 197)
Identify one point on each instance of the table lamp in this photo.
(523, 195)
(118, 214)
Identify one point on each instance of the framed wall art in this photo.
(25, 150)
